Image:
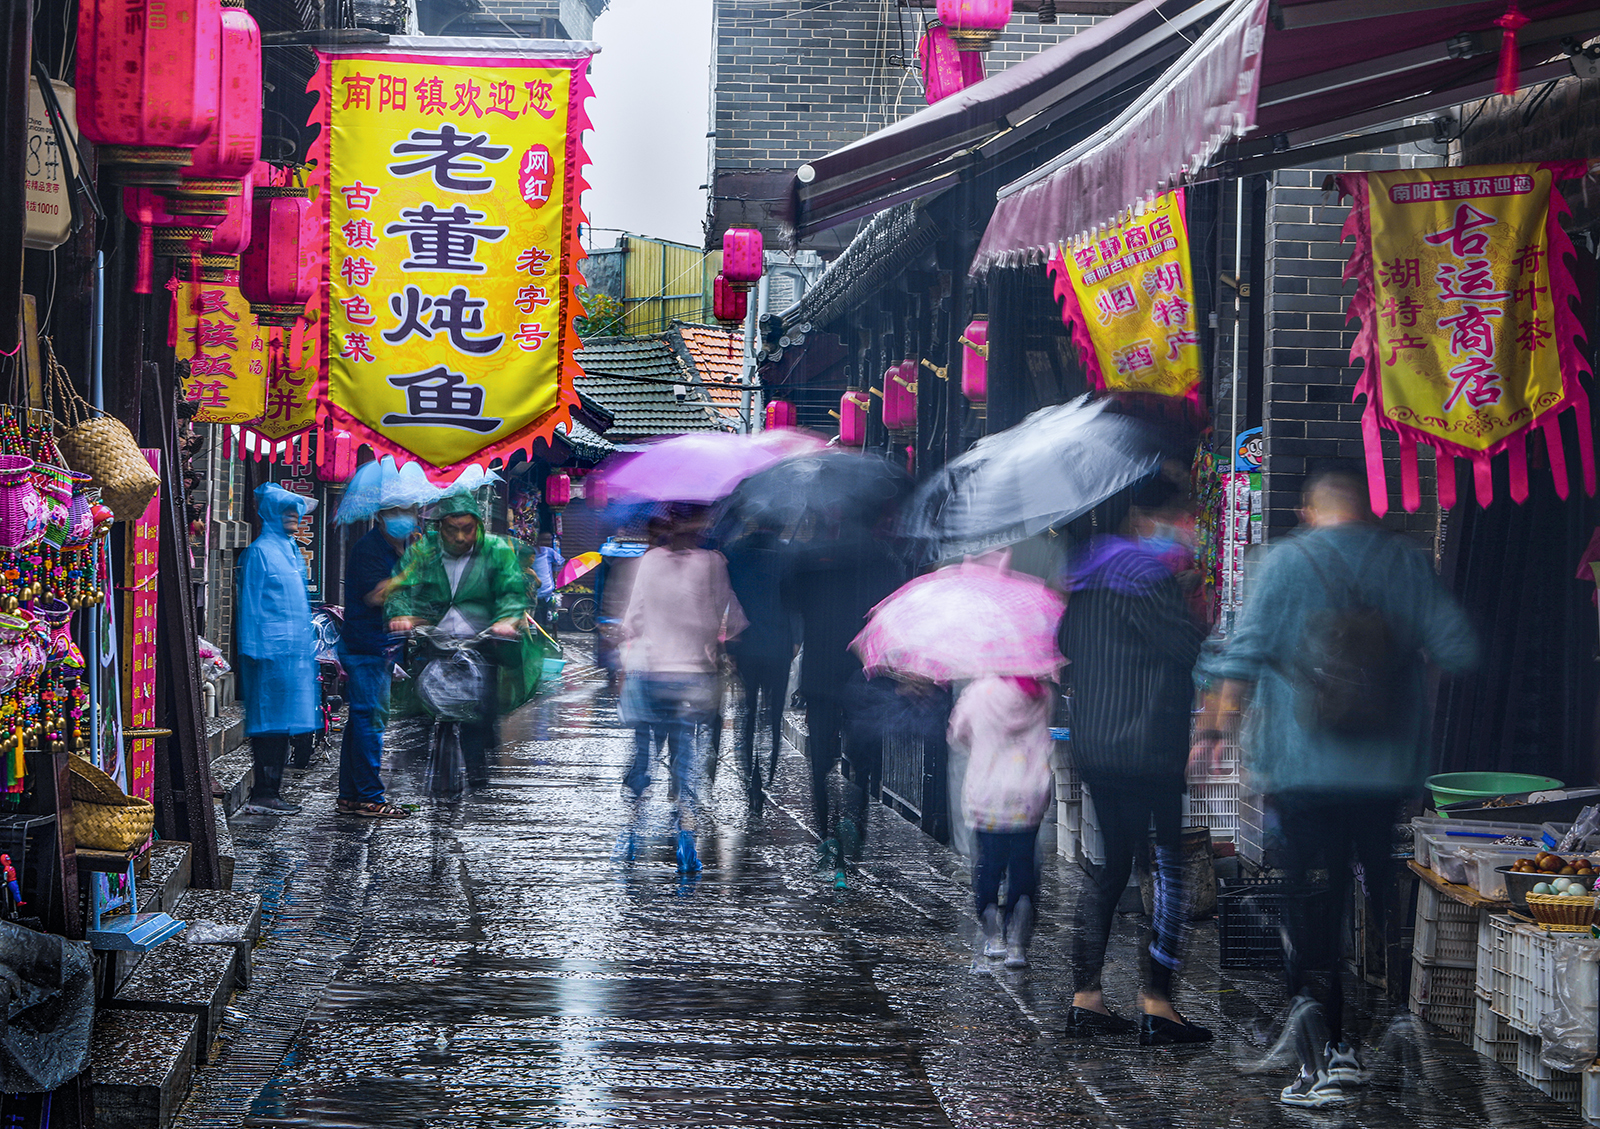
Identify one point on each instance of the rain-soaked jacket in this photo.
(275, 637)
(492, 588)
(1006, 732)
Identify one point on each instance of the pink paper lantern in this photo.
(946, 68)
(853, 419)
(974, 24)
(232, 235)
(148, 84)
(595, 492)
(780, 413)
(558, 490)
(742, 261)
(336, 456)
(728, 304)
(232, 148)
(975, 361)
(278, 271)
(900, 396)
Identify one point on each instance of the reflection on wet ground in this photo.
(492, 962)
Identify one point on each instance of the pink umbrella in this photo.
(963, 622)
(579, 566)
(700, 467)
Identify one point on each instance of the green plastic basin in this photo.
(1454, 787)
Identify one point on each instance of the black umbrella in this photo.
(828, 497)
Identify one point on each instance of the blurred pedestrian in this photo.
(364, 652)
(547, 562)
(467, 582)
(275, 644)
(764, 651)
(680, 610)
(1338, 625)
(1132, 645)
(834, 585)
(1004, 724)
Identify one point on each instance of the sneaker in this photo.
(272, 805)
(1313, 1090)
(1343, 1065)
(828, 856)
(688, 858)
(1019, 932)
(994, 941)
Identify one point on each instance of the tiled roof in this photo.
(718, 356)
(632, 378)
(585, 443)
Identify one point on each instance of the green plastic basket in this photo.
(1455, 787)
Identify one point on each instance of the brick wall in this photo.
(794, 79)
(1308, 412)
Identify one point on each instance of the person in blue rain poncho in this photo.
(275, 643)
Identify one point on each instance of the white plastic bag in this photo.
(1568, 1026)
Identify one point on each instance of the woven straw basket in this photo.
(1560, 911)
(102, 447)
(104, 818)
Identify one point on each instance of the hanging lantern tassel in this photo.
(173, 286)
(1509, 24)
(227, 442)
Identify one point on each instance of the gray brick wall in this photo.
(1308, 412)
(794, 79)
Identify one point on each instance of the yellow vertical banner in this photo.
(225, 347)
(1128, 297)
(450, 189)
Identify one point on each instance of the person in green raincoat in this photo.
(465, 580)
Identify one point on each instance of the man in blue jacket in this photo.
(1337, 784)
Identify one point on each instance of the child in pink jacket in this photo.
(1004, 723)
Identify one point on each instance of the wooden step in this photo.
(141, 1064)
(195, 980)
(223, 917)
(168, 876)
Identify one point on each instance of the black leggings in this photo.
(1010, 853)
(766, 685)
(1125, 808)
(1331, 829)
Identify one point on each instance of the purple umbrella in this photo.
(701, 467)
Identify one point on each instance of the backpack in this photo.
(1352, 672)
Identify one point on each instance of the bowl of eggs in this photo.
(1541, 874)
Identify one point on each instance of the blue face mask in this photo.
(400, 527)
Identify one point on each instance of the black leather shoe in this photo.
(1158, 1031)
(1085, 1024)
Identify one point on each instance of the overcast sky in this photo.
(647, 150)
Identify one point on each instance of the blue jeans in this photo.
(666, 708)
(361, 754)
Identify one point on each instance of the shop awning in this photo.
(1326, 68)
(1007, 112)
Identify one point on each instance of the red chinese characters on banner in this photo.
(226, 350)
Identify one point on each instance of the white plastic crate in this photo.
(1562, 1086)
(1444, 997)
(1484, 980)
(1537, 959)
(1215, 804)
(1092, 844)
(1447, 942)
(1591, 1095)
(1492, 1036)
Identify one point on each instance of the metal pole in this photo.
(97, 612)
(1232, 554)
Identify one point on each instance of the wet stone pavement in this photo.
(492, 962)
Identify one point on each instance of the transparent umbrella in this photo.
(1056, 465)
(381, 485)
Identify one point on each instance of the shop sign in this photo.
(141, 574)
(46, 170)
(1468, 336)
(226, 348)
(449, 187)
(290, 408)
(300, 478)
(1128, 296)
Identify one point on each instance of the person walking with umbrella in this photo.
(765, 649)
(680, 610)
(276, 666)
(1132, 646)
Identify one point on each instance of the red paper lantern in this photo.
(558, 490)
(148, 84)
(231, 150)
(900, 396)
(595, 492)
(278, 271)
(975, 361)
(742, 261)
(780, 413)
(853, 419)
(974, 24)
(728, 303)
(232, 235)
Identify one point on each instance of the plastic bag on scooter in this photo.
(452, 687)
